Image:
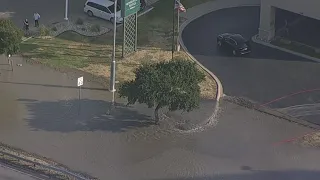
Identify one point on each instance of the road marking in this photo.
(293, 139)
(302, 110)
(289, 95)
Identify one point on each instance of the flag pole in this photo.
(173, 26)
(178, 31)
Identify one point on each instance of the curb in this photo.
(218, 82)
(286, 117)
(37, 166)
(23, 171)
(270, 111)
(256, 40)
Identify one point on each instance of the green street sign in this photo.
(129, 7)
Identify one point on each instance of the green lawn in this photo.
(57, 52)
(75, 51)
(93, 54)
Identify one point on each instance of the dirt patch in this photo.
(312, 140)
(125, 68)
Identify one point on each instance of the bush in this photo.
(79, 21)
(44, 31)
(95, 28)
(54, 28)
(10, 37)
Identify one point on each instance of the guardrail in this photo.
(46, 170)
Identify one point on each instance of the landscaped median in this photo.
(93, 54)
(297, 47)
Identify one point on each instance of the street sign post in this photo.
(129, 12)
(66, 10)
(129, 7)
(10, 62)
(80, 83)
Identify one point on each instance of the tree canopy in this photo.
(173, 84)
(10, 37)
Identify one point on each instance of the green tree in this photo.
(173, 84)
(10, 37)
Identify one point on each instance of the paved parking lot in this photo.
(50, 11)
(265, 75)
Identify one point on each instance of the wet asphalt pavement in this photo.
(39, 114)
(263, 76)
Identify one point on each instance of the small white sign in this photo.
(80, 81)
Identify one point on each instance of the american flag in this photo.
(179, 6)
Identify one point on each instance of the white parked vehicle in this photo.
(103, 9)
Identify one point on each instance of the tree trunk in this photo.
(156, 114)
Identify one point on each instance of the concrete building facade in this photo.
(309, 8)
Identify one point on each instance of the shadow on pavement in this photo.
(85, 115)
(51, 85)
(260, 175)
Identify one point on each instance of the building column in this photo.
(267, 21)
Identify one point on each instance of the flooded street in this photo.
(40, 114)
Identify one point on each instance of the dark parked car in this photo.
(233, 43)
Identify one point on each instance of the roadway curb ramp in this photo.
(35, 165)
(253, 105)
(257, 40)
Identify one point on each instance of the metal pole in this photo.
(136, 34)
(113, 63)
(79, 108)
(173, 26)
(124, 37)
(66, 12)
(178, 31)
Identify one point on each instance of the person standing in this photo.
(26, 26)
(36, 17)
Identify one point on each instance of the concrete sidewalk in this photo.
(210, 6)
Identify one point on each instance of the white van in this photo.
(103, 9)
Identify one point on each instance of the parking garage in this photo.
(296, 20)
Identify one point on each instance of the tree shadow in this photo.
(83, 115)
(260, 175)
